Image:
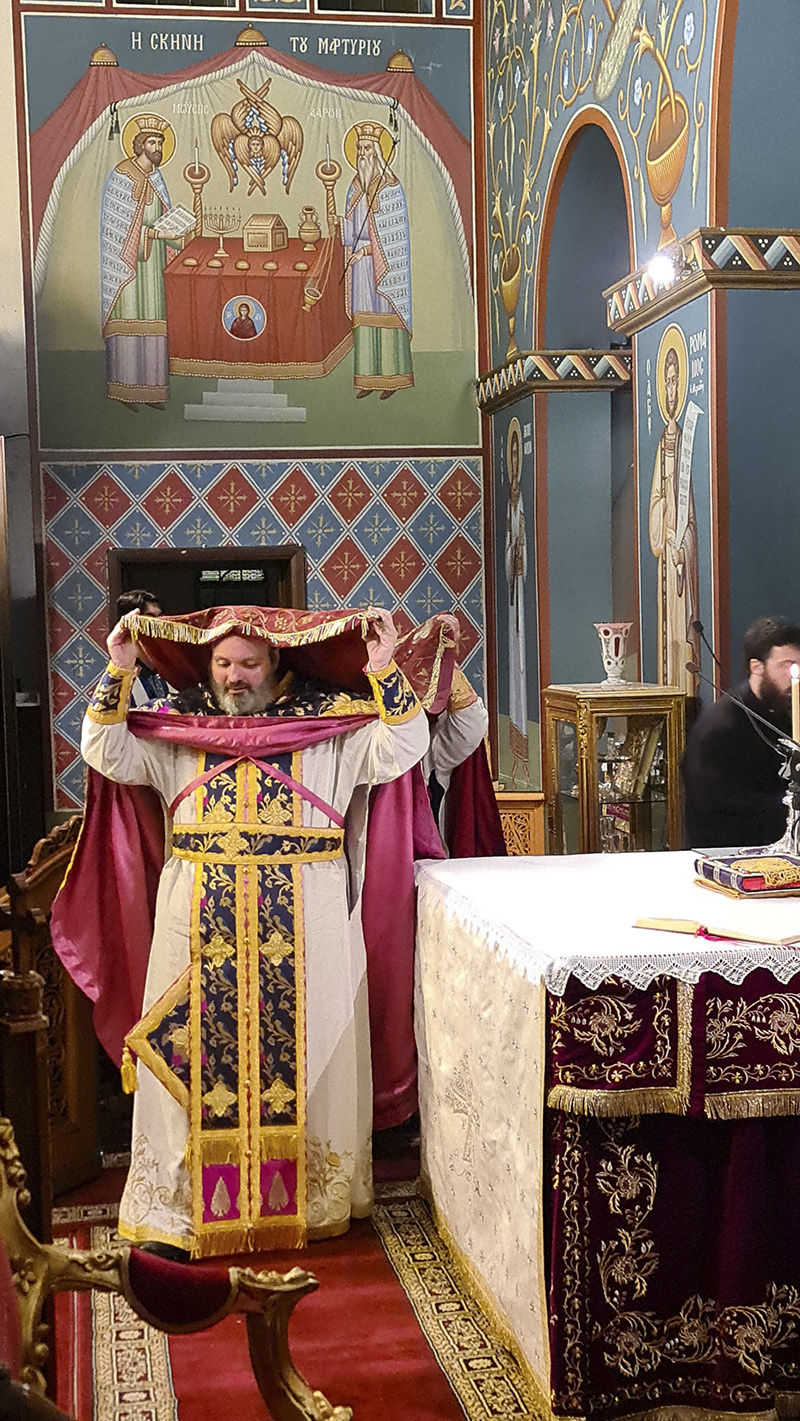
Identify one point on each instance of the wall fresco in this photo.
(641, 69)
(321, 177)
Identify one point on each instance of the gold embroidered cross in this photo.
(276, 948)
(218, 950)
(220, 1099)
(278, 1096)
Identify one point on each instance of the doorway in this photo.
(190, 579)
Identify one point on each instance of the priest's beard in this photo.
(252, 701)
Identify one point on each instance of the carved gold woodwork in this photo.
(70, 1044)
(267, 1300)
(628, 798)
(522, 818)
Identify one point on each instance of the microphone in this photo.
(784, 741)
(697, 626)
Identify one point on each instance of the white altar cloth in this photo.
(557, 917)
(493, 935)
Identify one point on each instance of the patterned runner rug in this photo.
(113, 1367)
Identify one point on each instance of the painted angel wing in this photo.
(290, 138)
(223, 133)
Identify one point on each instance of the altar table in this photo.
(610, 1132)
(294, 343)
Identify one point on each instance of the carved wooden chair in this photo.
(173, 1297)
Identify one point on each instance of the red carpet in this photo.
(357, 1340)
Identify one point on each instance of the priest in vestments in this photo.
(252, 1117)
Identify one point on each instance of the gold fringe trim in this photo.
(293, 370)
(280, 1142)
(643, 1100)
(221, 1148)
(218, 1239)
(163, 629)
(752, 1104)
(640, 1100)
(473, 1283)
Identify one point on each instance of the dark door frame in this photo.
(291, 558)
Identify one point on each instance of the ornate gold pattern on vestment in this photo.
(228, 1039)
(112, 694)
(395, 698)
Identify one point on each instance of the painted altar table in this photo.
(609, 1128)
(290, 342)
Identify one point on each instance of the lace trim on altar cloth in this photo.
(690, 959)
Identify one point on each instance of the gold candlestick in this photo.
(197, 176)
(329, 173)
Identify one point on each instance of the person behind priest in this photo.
(217, 1167)
(148, 686)
(731, 768)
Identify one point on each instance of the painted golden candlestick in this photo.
(222, 221)
(197, 175)
(329, 174)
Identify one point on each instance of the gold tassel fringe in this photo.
(280, 1142)
(238, 1238)
(130, 1082)
(645, 1100)
(752, 1104)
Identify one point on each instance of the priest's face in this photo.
(243, 679)
(775, 684)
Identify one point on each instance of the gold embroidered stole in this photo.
(228, 1040)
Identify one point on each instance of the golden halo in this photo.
(672, 339)
(351, 137)
(513, 429)
(133, 126)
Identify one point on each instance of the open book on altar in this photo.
(773, 921)
(715, 931)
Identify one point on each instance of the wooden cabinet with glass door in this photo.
(612, 780)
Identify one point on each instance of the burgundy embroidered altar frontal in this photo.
(673, 1231)
(616, 1152)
